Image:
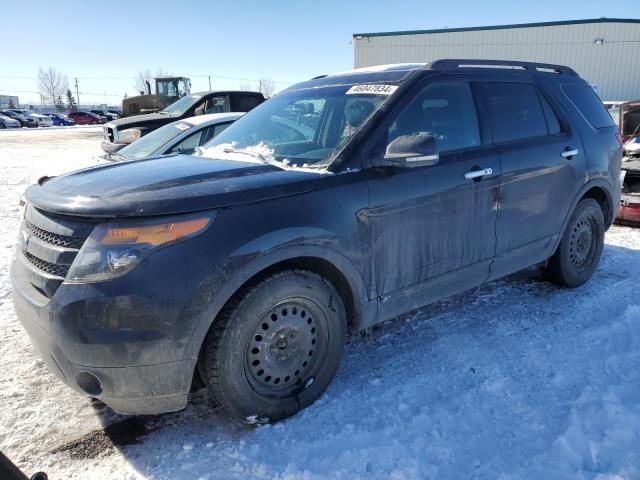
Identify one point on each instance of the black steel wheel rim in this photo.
(287, 348)
(582, 245)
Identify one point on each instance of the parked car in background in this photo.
(183, 136)
(41, 119)
(632, 147)
(36, 119)
(121, 132)
(629, 212)
(24, 121)
(115, 112)
(247, 266)
(106, 114)
(60, 119)
(8, 122)
(86, 118)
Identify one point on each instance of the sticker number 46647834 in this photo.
(372, 89)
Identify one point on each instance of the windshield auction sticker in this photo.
(372, 89)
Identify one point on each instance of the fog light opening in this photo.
(89, 383)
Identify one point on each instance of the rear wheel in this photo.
(93, 122)
(274, 351)
(2, 125)
(580, 249)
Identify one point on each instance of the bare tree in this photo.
(145, 76)
(245, 86)
(266, 86)
(52, 85)
(163, 73)
(141, 80)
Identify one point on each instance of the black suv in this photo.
(337, 204)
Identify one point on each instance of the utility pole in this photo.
(77, 94)
(209, 82)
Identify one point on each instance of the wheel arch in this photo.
(328, 263)
(599, 190)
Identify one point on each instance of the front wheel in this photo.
(276, 348)
(580, 249)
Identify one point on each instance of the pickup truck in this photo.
(120, 133)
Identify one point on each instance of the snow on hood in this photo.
(260, 153)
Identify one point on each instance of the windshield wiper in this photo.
(257, 155)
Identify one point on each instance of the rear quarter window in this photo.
(589, 104)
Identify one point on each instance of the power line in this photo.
(245, 79)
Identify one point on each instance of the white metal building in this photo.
(604, 51)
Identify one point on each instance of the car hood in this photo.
(156, 119)
(165, 185)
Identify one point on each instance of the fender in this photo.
(596, 182)
(363, 307)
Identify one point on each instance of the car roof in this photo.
(212, 118)
(394, 72)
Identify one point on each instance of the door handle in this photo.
(568, 153)
(476, 174)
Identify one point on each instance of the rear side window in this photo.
(516, 112)
(591, 107)
(552, 120)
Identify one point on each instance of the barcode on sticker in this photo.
(372, 89)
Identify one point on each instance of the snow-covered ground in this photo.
(517, 380)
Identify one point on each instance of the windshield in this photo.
(300, 128)
(182, 105)
(153, 141)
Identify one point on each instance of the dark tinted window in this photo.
(244, 103)
(586, 100)
(516, 112)
(552, 120)
(444, 109)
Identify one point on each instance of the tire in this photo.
(580, 249)
(93, 122)
(2, 126)
(276, 348)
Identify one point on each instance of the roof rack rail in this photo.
(319, 76)
(452, 63)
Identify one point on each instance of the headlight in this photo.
(129, 135)
(114, 249)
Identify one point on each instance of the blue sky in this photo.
(107, 43)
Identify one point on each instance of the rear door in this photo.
(543, 166)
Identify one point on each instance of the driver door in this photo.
(434, 224)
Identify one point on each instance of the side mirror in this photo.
(409, 151)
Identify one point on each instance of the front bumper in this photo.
(124, 341)
(629, 212)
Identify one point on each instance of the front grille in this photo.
(59, 241)
(54, 238)
(50, 268)
(109, 134)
